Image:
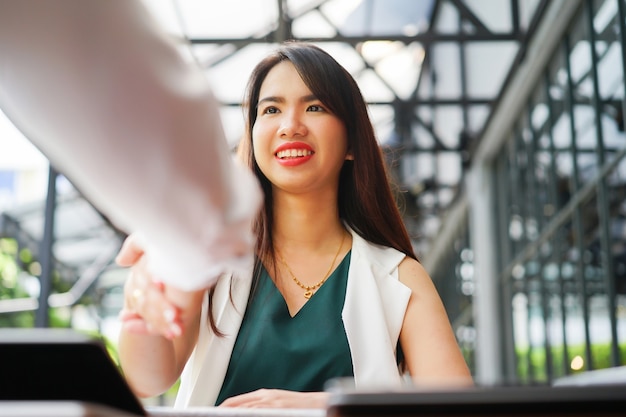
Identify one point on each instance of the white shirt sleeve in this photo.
(105, 94)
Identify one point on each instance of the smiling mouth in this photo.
(293, 153)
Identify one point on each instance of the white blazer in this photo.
(373, 313)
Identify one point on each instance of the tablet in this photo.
(61, 365)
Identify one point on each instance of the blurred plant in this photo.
(10, 286)
(16, 267)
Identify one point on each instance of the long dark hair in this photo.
(366, 202)
(365, 199)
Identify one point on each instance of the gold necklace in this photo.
(308, 289)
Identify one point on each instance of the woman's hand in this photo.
(159, 326)
(146, 307)
(276, 398)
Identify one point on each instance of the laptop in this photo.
(572, 401)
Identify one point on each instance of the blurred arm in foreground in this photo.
(105, 94)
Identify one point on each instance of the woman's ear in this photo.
(349, 156)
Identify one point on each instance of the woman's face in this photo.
(298, 144)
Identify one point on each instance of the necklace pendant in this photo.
(308, 294)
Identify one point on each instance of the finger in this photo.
(161, 315)
(137, 285)
(148, 300)
(237, 401)
(126, 315)
(163, 322)
(242, 400)
(134, 323)
(135, 326)
(130, 252)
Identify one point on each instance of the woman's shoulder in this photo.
(413, 274)
(387, 257)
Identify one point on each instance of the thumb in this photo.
(130, 252)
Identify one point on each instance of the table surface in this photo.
(233, 412)
(80, 409)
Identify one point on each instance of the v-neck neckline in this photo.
(284, 301)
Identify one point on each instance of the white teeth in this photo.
(293, 153)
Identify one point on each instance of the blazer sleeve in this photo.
(116, 107)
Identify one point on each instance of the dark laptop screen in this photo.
(597, 401)
(57, 364)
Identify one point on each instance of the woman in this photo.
(335, 285)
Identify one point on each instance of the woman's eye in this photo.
(316, 107)
(270, 110)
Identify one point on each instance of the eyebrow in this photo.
(277, 99)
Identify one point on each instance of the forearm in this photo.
(148, 363)
(151, 361)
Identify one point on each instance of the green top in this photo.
(300, 353)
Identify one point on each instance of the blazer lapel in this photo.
(373, 312)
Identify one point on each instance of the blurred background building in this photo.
(503, 125)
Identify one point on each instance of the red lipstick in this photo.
(290, 158)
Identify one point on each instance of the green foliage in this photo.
(8, 267)
(532, 364)
(9, 285)
(14, 264)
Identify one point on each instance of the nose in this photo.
(291, 126)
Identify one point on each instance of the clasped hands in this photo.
(149, 306)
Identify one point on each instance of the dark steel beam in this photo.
(467, 14)
(424, 38)
(46, 257)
